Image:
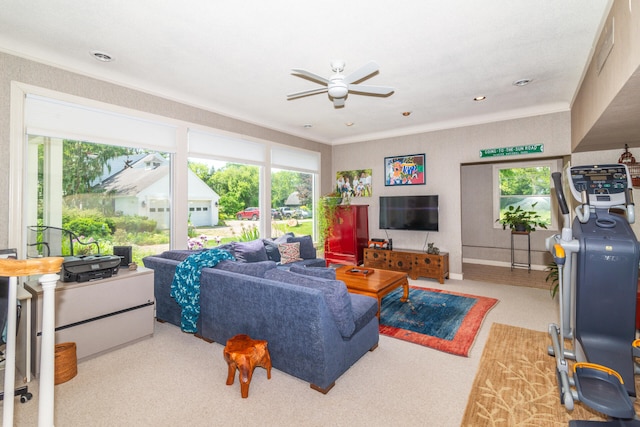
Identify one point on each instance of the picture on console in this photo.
(404, 170)
(354, 183)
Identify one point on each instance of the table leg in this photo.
(405, 288)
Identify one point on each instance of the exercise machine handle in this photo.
(584, 210)
(558, 254)
(557, 183)
(631, 211)
(567, 233)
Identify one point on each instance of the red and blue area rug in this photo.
(445, 321)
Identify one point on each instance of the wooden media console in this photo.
(414, 263)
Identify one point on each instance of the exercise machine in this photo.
(598, 257)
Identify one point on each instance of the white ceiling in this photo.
(235, 57)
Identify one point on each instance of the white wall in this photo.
(446, 151)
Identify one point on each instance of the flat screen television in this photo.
(409, 213)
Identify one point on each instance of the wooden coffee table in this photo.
(377, 284)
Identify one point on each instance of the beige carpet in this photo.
(174, 379)
(516, 383)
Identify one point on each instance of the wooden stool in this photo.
(244, 353)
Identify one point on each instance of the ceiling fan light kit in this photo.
(338, 86)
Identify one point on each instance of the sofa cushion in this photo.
(289, 252)
(322, 272)
(364, 309)
(177, 254)
(307, 251)
(271, 248)
(226, 247)
(256, 269)
(335, 294)
(252, 251)
(316, 262)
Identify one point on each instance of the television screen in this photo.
(409, 213)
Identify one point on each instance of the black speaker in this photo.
(124, 252)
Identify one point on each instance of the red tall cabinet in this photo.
(349, 235)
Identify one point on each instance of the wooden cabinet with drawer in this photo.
(399, 261)
(375, 258)
(430, 265)
(415, 263)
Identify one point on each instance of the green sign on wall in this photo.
(512, 151)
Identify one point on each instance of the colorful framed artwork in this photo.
(405, 170)
(354, 183)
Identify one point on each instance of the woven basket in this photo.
(66, 362)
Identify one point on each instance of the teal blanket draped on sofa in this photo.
(185, 288)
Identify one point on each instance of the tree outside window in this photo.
(528, 187)
(112, 195)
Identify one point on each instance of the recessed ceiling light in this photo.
(522, 82)
(406, 113)
(101, 56)
(480, 98)
(349, 124)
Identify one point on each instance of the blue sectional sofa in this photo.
(260, 250)
(315, 329)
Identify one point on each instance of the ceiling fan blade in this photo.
(309, 75)
(306, 93)
(362, 72)
(338, 102)
(373, 90)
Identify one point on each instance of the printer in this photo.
(89, 267)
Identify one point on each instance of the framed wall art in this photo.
(354, 183)
(405, 170)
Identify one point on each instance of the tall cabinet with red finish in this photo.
(349, 235)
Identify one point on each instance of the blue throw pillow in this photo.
(271, 248)
(256, 269)
(322, 272)
(335, 294)
(252, 251)
(284, 237)
(307, 251)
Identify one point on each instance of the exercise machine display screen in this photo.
(605, 185)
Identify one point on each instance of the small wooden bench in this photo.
(245, 354)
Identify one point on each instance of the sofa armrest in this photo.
(296, 321)
(167, 309)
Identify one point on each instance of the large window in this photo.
(527, 185)
(224, 202)
(292, 207)
(81, 192)
(128, 178)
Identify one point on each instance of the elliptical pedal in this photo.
(602, 389)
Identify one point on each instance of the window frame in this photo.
(553, 166)
(180, 154)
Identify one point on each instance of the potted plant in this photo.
(552, 276)
(326, 213)
(521, 220)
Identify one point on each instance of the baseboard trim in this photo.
(499, 263)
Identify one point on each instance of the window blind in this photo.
(60, 119)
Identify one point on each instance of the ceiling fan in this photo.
(338, 86)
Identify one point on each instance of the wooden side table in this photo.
(245, 354)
